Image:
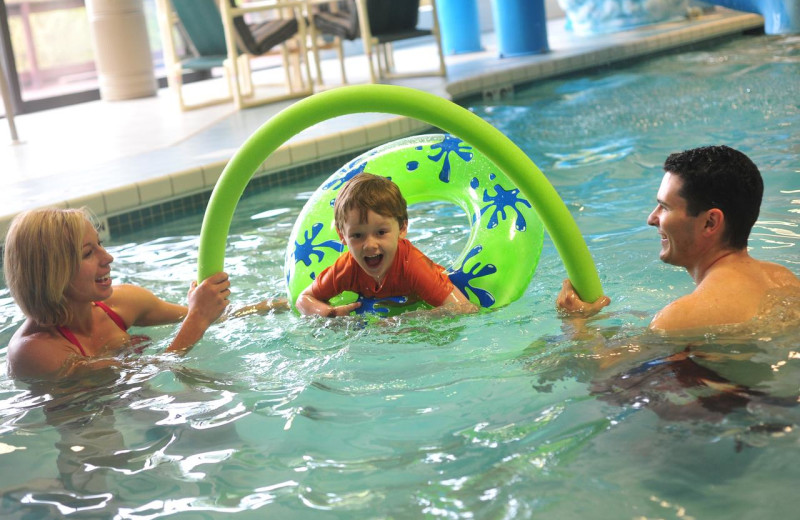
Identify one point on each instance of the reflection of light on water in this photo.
(482, 416)
(593, 156)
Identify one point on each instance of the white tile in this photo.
(121, 199)
(548, 68)
(455, 89)
(397, 128)
(155, 190)
(329, 145)
(523, 74)
(353, 139)
(278, 160)
(419, 126)
(95, 202)
(304, 151)
(188, 181)
(378, 133)
(212, 172)
(487, 81)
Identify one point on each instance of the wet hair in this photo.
(723, 178)
(367, 192)
(42, 254)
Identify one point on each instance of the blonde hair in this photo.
(42, 254)
(368, 192)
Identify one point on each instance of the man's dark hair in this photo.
(723, 178)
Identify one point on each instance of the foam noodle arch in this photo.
(409, 102)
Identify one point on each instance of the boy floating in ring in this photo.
(371, 219)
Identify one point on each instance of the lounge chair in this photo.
(378, 23)
(219, 36)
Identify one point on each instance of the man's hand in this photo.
(569, 304)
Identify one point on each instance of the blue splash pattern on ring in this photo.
(500, 201)
(379, 305)
(303, 251)
(450, 145)
(463, 279)
(428, 168)
(350, 170)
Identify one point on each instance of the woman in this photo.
(59, 274)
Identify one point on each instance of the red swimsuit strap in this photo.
(69, 336)
(113, 315)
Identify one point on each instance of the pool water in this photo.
(505, 414)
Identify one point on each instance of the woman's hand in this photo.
(206, 303)
(208, 300)
(569, 304)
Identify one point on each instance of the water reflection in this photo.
(96, 465)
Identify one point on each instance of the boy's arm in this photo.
(458, 303)
(262, 307)
(307, 304)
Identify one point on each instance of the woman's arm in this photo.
(206, 303)
(140, 307)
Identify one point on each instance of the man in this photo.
(708, 201)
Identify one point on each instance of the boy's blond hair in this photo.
(42, 254)
(367, 192)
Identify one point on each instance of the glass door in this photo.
(46, 51)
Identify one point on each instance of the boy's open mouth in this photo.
(373, 261)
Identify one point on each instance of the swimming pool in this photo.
(499, 415)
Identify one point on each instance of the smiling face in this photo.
(373, 243)
(679, 231)
(92, 281)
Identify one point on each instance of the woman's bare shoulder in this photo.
(35, 353)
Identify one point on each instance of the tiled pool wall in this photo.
(154, 201)
(130, 221)
(289, 164)
(584, 53)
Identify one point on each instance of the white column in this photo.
(121, 49)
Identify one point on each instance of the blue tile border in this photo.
(194, 204)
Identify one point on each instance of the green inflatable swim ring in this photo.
(409, 102)
(501, 254)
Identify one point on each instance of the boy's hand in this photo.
(307, 304)
(343, 310)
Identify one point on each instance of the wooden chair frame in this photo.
(236, 64)
(380, 55)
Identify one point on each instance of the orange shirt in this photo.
(412, 274)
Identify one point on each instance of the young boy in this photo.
(371, 219)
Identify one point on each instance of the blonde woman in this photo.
(60, 276)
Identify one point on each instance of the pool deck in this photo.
(116, 157)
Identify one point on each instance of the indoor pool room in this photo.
(511, 412)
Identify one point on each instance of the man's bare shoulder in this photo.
(733, 299)
(686, 313)
(779, 275)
